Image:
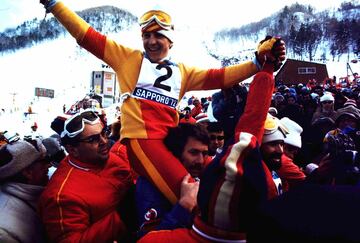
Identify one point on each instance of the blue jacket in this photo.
(155, 212)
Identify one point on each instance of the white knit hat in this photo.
(293, 138)
(273, 130)
(170, 34)
(17, 156)
(327, 97)
(273, 110)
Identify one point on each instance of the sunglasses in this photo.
(213, 137)
(93, 138)
(76, 124)
(160, 17)
(327, 102)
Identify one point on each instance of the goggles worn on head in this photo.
(160, 17)
(272, 124)
(327, 102)
(76, 124)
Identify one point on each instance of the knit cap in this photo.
(273, 111)
(293, 137)
(54, 152)
(314, 96)
(222, 182)
(327, 97)
(350, 102)
(350, 110)
(278, 96)
(34, 125)
(273, 130)
(231, 187)
(58, 123)
(17, 156)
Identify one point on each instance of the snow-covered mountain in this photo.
(61, 65)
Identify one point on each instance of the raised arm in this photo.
(271, 50)
(86, 36)
(257, 104)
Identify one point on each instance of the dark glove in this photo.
(271, 50)
(48, 4)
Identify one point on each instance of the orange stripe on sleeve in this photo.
(58, 199)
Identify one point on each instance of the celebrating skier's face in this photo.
(156, 45)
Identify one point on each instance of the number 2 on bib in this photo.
(162, 78)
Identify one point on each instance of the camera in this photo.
(337, 144)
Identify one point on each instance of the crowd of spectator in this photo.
(316, 142)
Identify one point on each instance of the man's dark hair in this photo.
(215, 127)
(178, 136)
(187, 108)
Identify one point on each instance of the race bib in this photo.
(159, 82)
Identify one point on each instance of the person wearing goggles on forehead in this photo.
(84, 196)
(152, 85)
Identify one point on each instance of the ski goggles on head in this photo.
(76, 124)
(273, 124)
(160, 17)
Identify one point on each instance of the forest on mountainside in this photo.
(106, 19)
(304, 30)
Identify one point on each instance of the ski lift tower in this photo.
(348, 68)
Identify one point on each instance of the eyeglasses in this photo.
(327, 102)
(214, 137)
(93, 138)
(76, 124)
(160, 17)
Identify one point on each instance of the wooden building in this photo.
(295, 71)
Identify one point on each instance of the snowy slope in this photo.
(65, 67)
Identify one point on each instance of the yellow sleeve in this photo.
(201, 79)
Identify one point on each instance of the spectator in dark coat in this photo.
(292, 110)
(228, 105)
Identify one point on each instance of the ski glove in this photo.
(270, 50)
(48, 4)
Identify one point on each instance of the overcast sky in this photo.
(200, 13)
